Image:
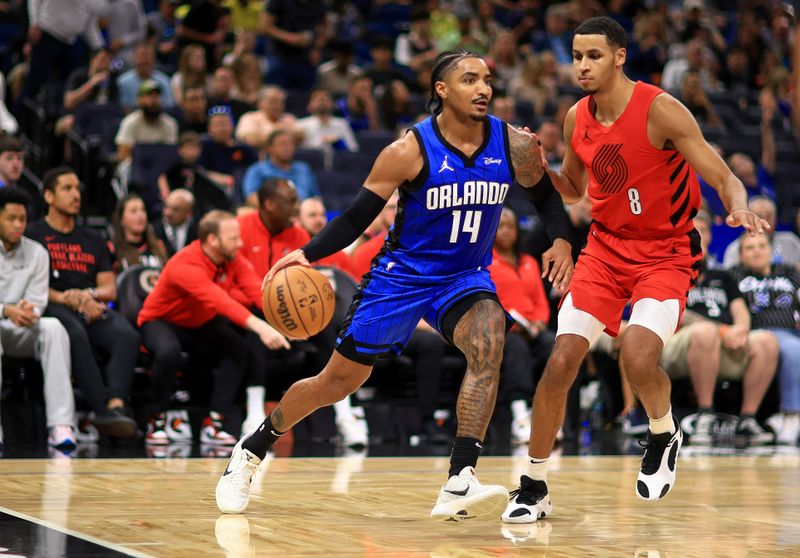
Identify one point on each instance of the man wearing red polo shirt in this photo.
(191, 306)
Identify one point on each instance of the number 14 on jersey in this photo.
(471, 225)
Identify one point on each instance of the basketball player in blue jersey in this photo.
(454, 171)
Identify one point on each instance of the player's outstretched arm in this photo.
(398, 163)
(529, 165)
(671, 125)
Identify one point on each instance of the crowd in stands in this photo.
(205, 139)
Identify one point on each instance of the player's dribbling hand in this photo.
(557, 264)
(292, 258)
(747, 219)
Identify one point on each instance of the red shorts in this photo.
(613, 271)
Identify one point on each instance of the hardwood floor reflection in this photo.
(353, 506)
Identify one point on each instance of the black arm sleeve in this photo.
(550, 208)
(346, 228)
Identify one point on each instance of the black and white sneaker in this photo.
(464, 497)
(750, 433)
(657, 476)
(531, 501)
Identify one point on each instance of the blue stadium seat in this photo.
(357, 165)
(149, 161)
(338, 188)
(372, 142)
(314, 157)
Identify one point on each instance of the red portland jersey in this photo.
(637, 191)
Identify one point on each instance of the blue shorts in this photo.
(389, 304)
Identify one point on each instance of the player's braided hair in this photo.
(445, 62)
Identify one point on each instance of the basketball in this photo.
(299, 302)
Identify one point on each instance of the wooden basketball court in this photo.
(354, 506)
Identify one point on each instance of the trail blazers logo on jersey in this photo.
(609, 168)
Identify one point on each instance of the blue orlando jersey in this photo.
(447, 218)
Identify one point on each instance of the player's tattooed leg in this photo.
(480, 334)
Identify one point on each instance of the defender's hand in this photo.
(557, 264)
(292, 258)
(747, 219)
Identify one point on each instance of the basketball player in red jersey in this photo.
(638, 149)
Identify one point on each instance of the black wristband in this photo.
(550, 208)
(347, 227)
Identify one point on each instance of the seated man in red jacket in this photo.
(517, 277)
(191, 307)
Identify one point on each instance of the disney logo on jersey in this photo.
(472, 192)
(490, 161)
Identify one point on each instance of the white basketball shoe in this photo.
(233, 488)
(657, 476)
(529, 502)
(464, 497)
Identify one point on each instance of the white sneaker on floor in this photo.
(659, 464)
(353, 429)
(61, 436)
(464, 497)
(528, 503)
(790, 430)
(521, 429)
(233, 488)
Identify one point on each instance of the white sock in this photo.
(519, 408)
(663, 425)
(343, 408)
(537, 468)
(255, 401)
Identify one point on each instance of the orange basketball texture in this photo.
(299, 302)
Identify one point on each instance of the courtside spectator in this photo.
(785, 245)
(221, 155)
(193, 116)
(359, 108)
(177, 228)
(12, 161)
(297, 30)
(24, 333)
(336, 75)
(81, 286)
(144, 69)
(221, 93)
(183, 172)
(191, 309)
(715, 341)
(95, 84)
(148, 124)
(191, 71)
(134, 240)
(53, 28)
(255, 126)
(771, 292)
(281, 164)
(323, 130)
(312, 217)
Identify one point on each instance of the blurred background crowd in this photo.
(160, 155)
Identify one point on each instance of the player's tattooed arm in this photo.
(526, 156)
(479, 334)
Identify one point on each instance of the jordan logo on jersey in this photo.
(445, 166)
(609, 168)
